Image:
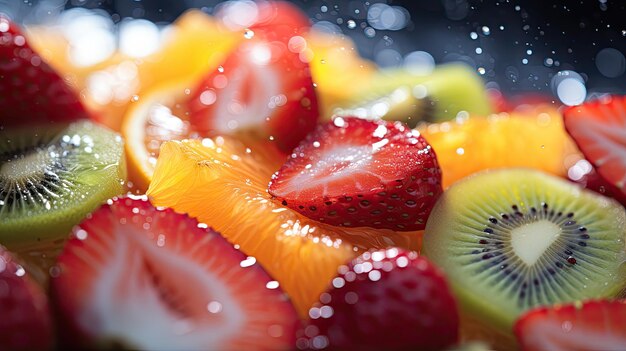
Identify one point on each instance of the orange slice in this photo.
(533, 138)
(223, 183)
(194, 44)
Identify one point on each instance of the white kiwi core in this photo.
(31, 165)
(531, 240)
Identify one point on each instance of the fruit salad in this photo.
(255, 184)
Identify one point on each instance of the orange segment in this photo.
(223, 183)
(532, 138)
(194, 44)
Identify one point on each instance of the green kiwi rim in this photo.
(475, 299)
(99, 166)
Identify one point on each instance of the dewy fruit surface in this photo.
(140, 277)
(533, 138)
(222, 182)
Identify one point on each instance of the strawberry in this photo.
(353, 172)
(25, 322)
(599, 129)
(384, 300)
(592, 325)
(264, 87)
(150, 278)
(30, 90)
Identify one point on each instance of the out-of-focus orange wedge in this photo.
(222, 182)
(534, 137)
(194, 44)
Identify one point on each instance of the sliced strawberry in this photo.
(594, 325)
(385, 300)
(150, 278)
(25, 322)
(353, 172)
(30, 90)
(264, 87)
(599, 130)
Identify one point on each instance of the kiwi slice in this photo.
(51, 179)
(398, 94)
(513, 239)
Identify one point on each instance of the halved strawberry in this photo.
(385, 300)
(353, 172)
(599, 129)
(592, 325)
(150, 278)
(25, 322)
(264, 87)
(30, 90)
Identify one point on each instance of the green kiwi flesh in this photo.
(50, 180)
(513, 239)
(399, 94)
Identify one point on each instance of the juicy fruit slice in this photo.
(599, 130)
(50, 181)
(25, 322)
(353, 173)
(193, 44)
(158, 117)
(223, 182)
(510, 240)
(262, 88)
(534, 138)
(149, 278)
(388, 299)
(409, 96)
(592, 325)
(31, 91)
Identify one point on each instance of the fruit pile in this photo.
(267, 189)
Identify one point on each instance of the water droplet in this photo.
(474, 35)
(529, 52)
(220, 69)
(324, 9)
(351, 24)
(248, 34)
(481, 70)
(369, 32)
(134, 98)
(479, 51)
(322, 61)
(525, 61)
(486, 30)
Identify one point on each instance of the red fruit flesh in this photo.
(25, 322)
(599, 129)
(264, 87)
(153, 279)
(594, 325)
(384, 300)
(353, 172)
(30, 90)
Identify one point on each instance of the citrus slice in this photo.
(192, 45)
(223, 183)
(534, 137)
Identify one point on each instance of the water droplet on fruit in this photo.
(351, 24)
(272, 284)
(248, 34)
(134, 98)
(20, 271)
(214, 307)
(326, 311)
(486, 30)
(249, 261)
(566, 326)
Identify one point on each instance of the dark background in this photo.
(563, 35)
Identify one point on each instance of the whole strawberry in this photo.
(24, 315)
(388, 299)
(352, 172)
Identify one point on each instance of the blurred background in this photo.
(571, 50)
